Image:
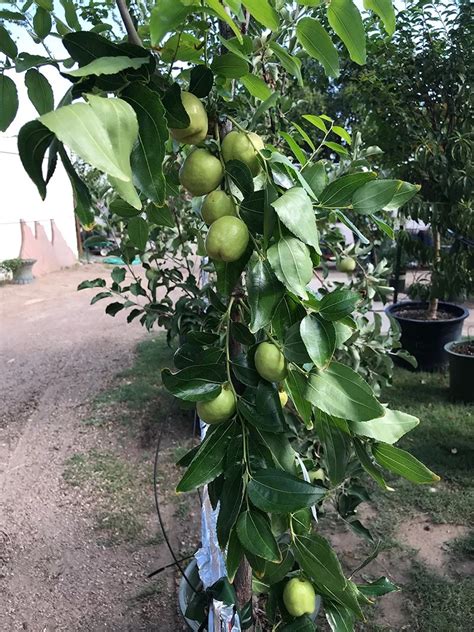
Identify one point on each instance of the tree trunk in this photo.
(433, 306)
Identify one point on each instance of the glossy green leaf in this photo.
(336, 445)
(374, 196)
(209, 460)
(42, 23)
(256, 86)
(290, 63)
(389, 428)
(277, 491)
(241, 176)
(264, 292)
(275, 446)
(148, 154)
(201, 81)
(252, 210)
(319, 562)
(71, 15)
(160, 215)
(301, 624)
(24, 61)
(296, 150)
(138, 231)
(108, 66)
(234, 555)
(166, 17)
(368, 465)
(230, 503)
(295, 210)
(340, 618)
(82, 196)
(385, 11)
(403, 463)
(86, 46)
(102, 133)
(7, 44)
(319, 337)
(296, 385)
(342, 133)
(228, 274)
(345, 19)
(341, 392)
(8, 100)
(230, 66)
(294, 349)
(339, 192)
(317, 121)
(255, 535)
(337, 304)
(39, 90)
(33, 141)
(317, 43)
(404, 194)
(316, 177)
(196, 383)
(291, 262)
(339, 149)
(263, 12)
(377, 588)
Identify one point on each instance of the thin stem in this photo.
(133, 36)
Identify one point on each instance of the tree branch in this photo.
(133, 36)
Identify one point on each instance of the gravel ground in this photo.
(56, 354)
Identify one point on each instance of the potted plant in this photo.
(461, 369)
(21, 269)
(416, 91)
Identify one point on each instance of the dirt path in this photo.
(56, 353)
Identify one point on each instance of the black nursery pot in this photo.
(425, 339)
(461, 373)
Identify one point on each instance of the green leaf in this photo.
(123, 209)
(234, 555)
(148, 154)
(224, 16)
(86, 46)
(377, 588)
(70, 14)
(252, 210)
(138, 232)
(209, 460)
(384, 227)
(160, 215)
(256, 86)
(389, 428)
(201, 81)
(25, 61)
(295, 210)
(341, 392)
(47, 5)
(230, 66)
(230, 503)
(263, 12)
(277, 447)
(113, 309)
(403, 463)
(261, 407)
(296, 385)
(338, 304)
(118, 274)
(263, 107)
(384, 9)
(290, 63)
(8, 100)
(33, 141)
(341, 132)
(340, 619)
(277, 491)
(86, 285)
(316, 177)
(241, 175)
(294, 348)
(195, 383)
(339, 149)
(404, 193)
(295, 148)
(12, 16)
(317, 43)
(301, 624)
(7, 45)
(40, 92)
(339, 192)
(345, 19)
(82, 197)
(291, 262)
(102, 133)
(42, 23)
(319, 562)
(317, 121)
(319, 337)
(264, 292)
(255, 535)
(374, 196)
(336, 444)
(368, 465)
(108, 66)
(228, 274)
(166, 17)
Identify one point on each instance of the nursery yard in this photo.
(82, 409)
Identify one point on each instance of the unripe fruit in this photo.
(283, 395)
(198, 123)
(270, 362)
(227, 239)
(219, 409)
(347, 264)
(201, 172)
(299, 597)
(152, 274)
(243, 146)
(217, 204)
(316, 475)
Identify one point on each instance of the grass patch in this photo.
(443, 441)
(463, 547)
